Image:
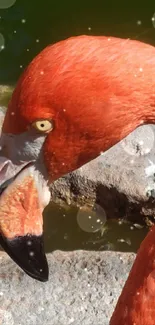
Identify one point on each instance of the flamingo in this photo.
(76, 99)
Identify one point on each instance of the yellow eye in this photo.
(43, 125)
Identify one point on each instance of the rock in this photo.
(82, 289)
(121, 180)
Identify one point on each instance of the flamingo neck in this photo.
(136, 304)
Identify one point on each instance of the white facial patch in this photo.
(22, 147)
(18, 152)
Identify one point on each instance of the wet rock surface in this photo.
(121, 180)
(82, 289)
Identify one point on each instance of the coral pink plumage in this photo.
(136, 305)
(97, 85)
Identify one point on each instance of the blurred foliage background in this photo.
(28, 26)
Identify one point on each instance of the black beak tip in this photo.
(28, 252)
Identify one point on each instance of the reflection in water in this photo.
(63, 232)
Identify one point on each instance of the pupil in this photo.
(42, 125)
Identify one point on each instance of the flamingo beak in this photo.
(22, 200)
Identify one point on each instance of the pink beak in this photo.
(21, 224)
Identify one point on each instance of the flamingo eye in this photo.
(43, 125)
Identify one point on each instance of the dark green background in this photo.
(53, 20)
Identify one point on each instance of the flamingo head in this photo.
(71, 103)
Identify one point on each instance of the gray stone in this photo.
(82, 289)
(121, 180)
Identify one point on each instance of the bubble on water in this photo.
(141, 143)
(37, 40)
(21, 66)
(138, 226)
(6, 317)
(121, 240)
(2, 42)
(5, 4)
(89, 28)
(15, 31)
(126, 241)
(23, 21)
(153, 20)
(91, 222)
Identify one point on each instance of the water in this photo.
(63, 232)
